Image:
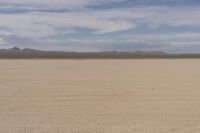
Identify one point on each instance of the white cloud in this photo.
(177, 16)
(157, 15)
(49, 3)
(41, 24)
(44, 24)
(54, 3)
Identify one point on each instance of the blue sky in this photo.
(101, 25)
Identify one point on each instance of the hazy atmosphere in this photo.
(101, 25)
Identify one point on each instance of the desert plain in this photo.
(100, 96)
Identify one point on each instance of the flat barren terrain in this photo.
(100, 96)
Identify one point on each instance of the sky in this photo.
(171, 26)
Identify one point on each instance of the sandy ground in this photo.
(100, 96)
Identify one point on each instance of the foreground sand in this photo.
(100, 96)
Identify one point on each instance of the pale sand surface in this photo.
(100, 96)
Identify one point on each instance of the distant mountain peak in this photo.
(29, 50)
(15, 49)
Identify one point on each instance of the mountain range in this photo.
(28, 53)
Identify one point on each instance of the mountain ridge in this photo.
(28, 53)
(17, 49)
